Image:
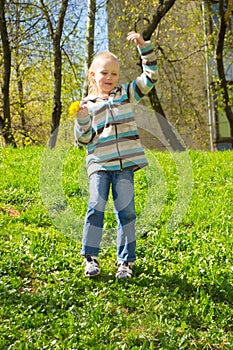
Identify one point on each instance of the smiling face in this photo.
(105, 73)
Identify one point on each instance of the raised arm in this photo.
(145, 82)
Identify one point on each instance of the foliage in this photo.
(183, 52)
(182, 48)
(32, 79)
(180, 43)
(181, 296)
(32, 57)
(221, 31)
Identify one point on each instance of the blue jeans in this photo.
(123, 195)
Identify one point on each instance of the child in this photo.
(105, 125)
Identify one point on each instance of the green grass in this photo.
(182, 294)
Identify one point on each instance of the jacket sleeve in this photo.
(83, 130)
(145, 82)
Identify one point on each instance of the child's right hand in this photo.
(83, 112)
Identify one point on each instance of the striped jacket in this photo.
(110, 132)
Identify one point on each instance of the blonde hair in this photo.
(92, 88)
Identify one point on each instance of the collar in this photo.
(94, 98)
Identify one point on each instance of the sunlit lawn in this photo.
(181, 295)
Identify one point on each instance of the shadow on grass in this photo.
(221, 292)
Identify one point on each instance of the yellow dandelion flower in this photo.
(74, 108)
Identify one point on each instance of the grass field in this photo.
(181, 296)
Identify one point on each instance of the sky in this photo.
(101, 28)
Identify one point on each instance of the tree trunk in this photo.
(162, 9)
(168, 132)
(220, 67)
(90, 32)
(57, 107)
(19, 78)
(56, 39)
(5, 120)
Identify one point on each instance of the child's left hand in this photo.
(136, 37)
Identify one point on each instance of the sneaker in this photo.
(124, 269)
(92, 266)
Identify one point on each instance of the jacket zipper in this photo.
(116, 132)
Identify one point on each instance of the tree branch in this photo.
(183, 58)
(162, 9)
(46, 14)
